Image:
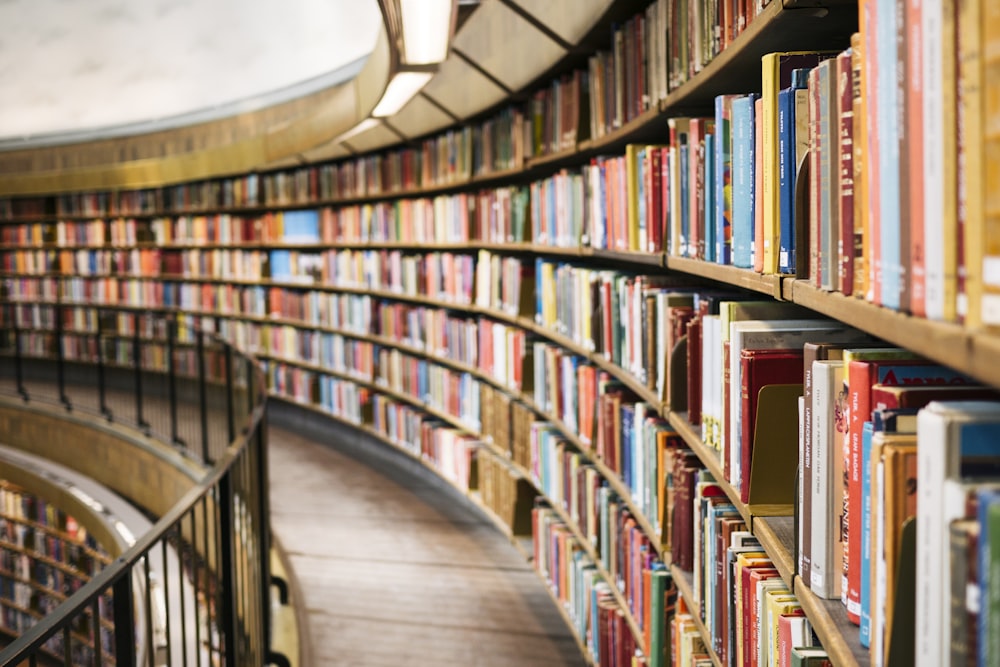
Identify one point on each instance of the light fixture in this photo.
(363, 126)
(426, 28)
(402, 87)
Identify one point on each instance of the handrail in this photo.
(199, 578)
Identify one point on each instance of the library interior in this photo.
(618, 333)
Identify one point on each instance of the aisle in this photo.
(396, 570)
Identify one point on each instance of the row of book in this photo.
(649, 55)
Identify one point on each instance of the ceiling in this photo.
(82, 66)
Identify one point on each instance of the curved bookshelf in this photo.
(782, 26)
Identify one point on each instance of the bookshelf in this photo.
(45, 556)
(374, 185)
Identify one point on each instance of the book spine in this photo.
(770, 226)
(815, 208)
(860, 176)
(971, 177)
(742, 207)
(914, 140)
(845, 247)
(989, 309)
(786, 180)
(757, 238)
(888, 152)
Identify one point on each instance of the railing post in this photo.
(137, 355)
(124, 622)
(230, 416)
(102, 394)
(227, 583)
(172, 378)
(203, 397)
(263, 511)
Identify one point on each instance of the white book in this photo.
(767, 335)
(709, 352)
(802, 487)
(932, 18)
(948, 436)
(826, 485)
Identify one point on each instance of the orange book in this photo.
(971, 184)
(989, 309)
(913, 134)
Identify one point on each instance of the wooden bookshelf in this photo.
(786, 25)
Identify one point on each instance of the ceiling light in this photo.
(426, 28)
(363, 126)
(400, 90)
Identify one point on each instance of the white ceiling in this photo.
(71, 65)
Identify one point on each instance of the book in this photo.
(788, 108)
(865, 369)
(758, 368)
(825, 485)
(743, 180)
(952, 438)
(776, 74)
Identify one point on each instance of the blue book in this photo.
(281, 264)
(868, 431)
(710, 208)
(988, 513)
(743, 181)
(787, 169)
(627, 428)
(888, 153)
(722, 180)
(301, 226)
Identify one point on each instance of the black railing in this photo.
(194, 589)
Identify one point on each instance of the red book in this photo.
(760, 368)
(685, 478)
(890, 397)
(861, 376)
(785, 639)
(845, 150)
(751, 576)
(727, 525)
(694, 371)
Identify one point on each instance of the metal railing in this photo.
(193, 590)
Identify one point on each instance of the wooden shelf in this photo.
(777, 536)
(769, 284)
(710, 460)
(971, 352)
(631, 257)
(838, 636)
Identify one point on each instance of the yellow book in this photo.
(990, 269)
(776, 72)
(776, 604)
(632, 176)
(970, 81)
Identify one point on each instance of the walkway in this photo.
(395, 568)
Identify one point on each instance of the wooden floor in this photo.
(393, 566)
(396, 569)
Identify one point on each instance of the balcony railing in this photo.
(194, 589)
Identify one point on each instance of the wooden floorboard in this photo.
(396, 570)
(393, 567)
